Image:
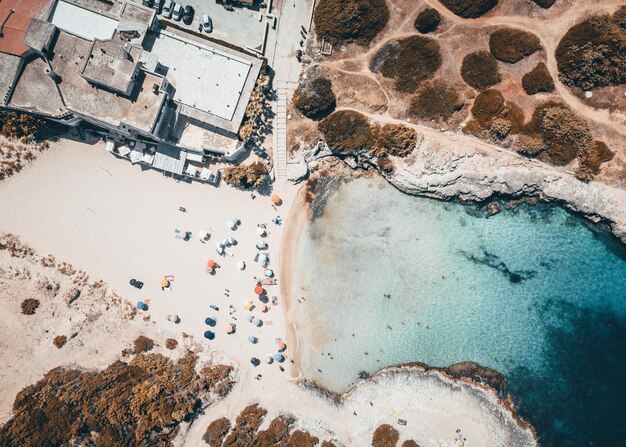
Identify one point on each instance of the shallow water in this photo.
(531, 292)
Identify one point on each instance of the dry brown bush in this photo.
(246, 426)
(499, 117)
(500, 128)
(512, 45)
(487, 106)
(473, 127)
(216, 432)
(315, 99)
(132, 404)
(528, 145)
(277, 434)
(171, 343)
(350, 21)
(480, 70)
(301, 438)
(19, 125)
(427, 20)
(394, 139)
(619, 17)
(592, 54)
(142, 344)
(408, 61)
(435, 100)
(538, 80)
(385, 436)
(593, 156)
(469, 9)
(410, 443)
(347, 132)
(250, 176)
(29, 306)
(59, 341)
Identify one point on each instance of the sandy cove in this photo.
(115, 222)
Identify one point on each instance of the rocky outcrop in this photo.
(478, 373)
(459, 168)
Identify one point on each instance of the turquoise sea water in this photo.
(386, 278)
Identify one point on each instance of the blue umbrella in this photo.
(210, 335)
(141, 305)
(279, 358)
(209, 321)
(255, 361)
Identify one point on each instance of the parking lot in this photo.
(240, 27)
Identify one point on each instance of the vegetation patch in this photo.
(124, 405)
(538, 80)
(59, 341)
(435, 100)
(394, 139)
(409, 61)
(385, 436)
(427, 21)
(480, 70)
(216, 432)
(592, 53)
(350, 21)
(258, 107)
(142, 344)
(29, 306)
(469, 9)
(545, 4)
(20, 125)
(250, 176)
(315, 99)
(512, 45)
(591, 159)
(171, 343)
(347, 132)
(495, 115)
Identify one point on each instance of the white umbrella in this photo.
(232, 240)
(203, 235)
(231, 224)
(269, 359)
(225, 243)
(256, 321)
(261, 231)
(261, 245)
(241, 265)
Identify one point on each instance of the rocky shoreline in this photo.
(448, 166)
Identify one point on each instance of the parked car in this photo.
(168, 8)
(188, 15)
(207, 23)
(177, 13)
(158, 6)
(147, 3)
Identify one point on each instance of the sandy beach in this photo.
(106, 217)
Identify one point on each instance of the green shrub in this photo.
(427, 21)
(469, 9)
(512, 45)
(315, 99)
(409, 61)
(480, 70)
(350, 21)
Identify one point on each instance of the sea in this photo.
(534, 292)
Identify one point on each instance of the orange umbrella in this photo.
(276, 199)
(211, 263)
(164, 282)
(229, 328)
(259, 290)
(282, 346)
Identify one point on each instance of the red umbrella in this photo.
(259, 290)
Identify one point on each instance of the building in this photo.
(113, 65)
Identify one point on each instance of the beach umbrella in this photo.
(210, 335)
(203, 235)
(225, 242)
(249, 305)
(219, 250)
(259, 290)
(256, 321)
(263, 258)
(210, 321)
(231, 224)
(269, 273)
(211, 263)
(279, 358)
(232, 240)
(261, 232)
(165, 283)
(229, 328)
(282, 346)
(255, 361)
(241, 265)
(210, 269)
(269, 359)
(141, 305)
(276, 200)
(263, 308)
(261, 245)
(250, 317)
(252, 339)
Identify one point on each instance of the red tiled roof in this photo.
(17, 23)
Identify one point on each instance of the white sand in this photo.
(107, 217)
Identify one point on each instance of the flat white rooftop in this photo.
(204, 78)
(83, 23)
